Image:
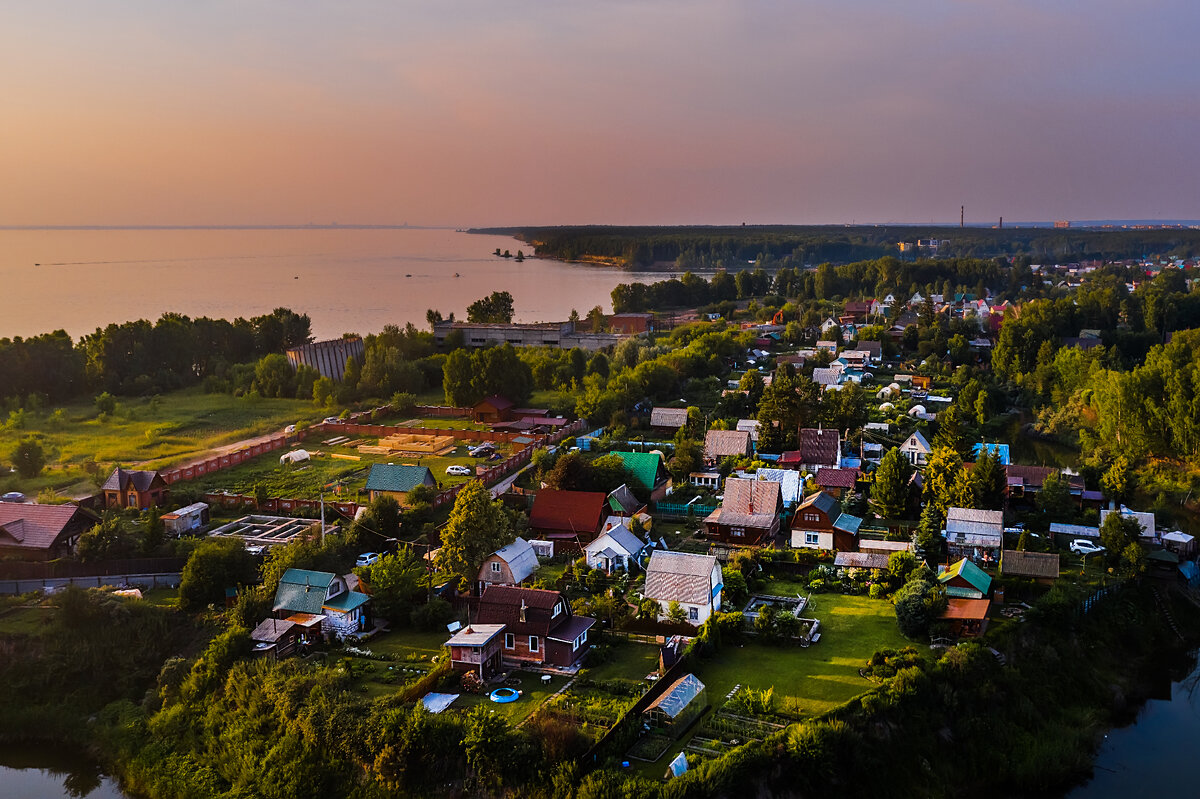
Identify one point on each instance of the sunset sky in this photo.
(598, 111)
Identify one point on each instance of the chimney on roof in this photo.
(522, 612)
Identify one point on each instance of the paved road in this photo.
(506, 483)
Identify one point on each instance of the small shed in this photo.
(678, 706)
(965, 580)
(186, 519)
(1038, 565)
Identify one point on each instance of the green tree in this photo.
(496, 308)
(385, 516)
(990, 480)
(477, 527)
(1054, 500)
(395, 582)
(890, 490)
(273, 376)
(1117, 481)
(928, 538)
(789, 403)
(942, 471)
(596, 319)
(1118, 533)
(688, 457)
(457, 374)
(900, 565)
(675, 612)
(106, 404)
(951, 433)
(919, 603)
(28, 457)
(214, 565)
(108, 540)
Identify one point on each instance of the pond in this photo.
(1030, 449)
(51, 771)
(1150, 757)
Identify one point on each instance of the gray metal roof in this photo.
(520, 557)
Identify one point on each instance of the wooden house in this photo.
(509, 565)
(974, 534)
(1041, 566)
(819, 524)
(275, 639)
(493, 409)
(694, 581)
(29, 531)
(647, 472)
(538, 625)
(667, 421)
(819, 449)
(396, 480)
(130, 488)
(721, 444)
(343, 612)
(570, 519)
(478, 648)
(749, 514)
(965, 580)
(615, 549)
(966, 618)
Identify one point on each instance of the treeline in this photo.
(875, 278)
(141, 357)
(737, 247)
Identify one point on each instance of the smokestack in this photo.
(1002, 223)
(962, 215)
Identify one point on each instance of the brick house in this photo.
(538, 625)
(131, 488)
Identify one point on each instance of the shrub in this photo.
(433, 615)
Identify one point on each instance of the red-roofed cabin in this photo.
(538, 625)
(30, 531)
(836, 481)
(492, 409)
(572, 519)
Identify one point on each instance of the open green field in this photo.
(305, 480)
(813, 680)
(154, 432)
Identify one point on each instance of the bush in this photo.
(433, 615)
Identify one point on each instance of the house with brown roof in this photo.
(538, 625)
(1025, 481)
(131, 488)
(668, 420)
(569, 518)
(29, 531)
(719, 444)
(836, 481)
(819, 448)
(1041, 566)
(275, 638)
(749, 514)
(493, 409)
(694, 581)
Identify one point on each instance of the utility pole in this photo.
(962, 215)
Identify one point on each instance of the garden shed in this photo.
(679, 705)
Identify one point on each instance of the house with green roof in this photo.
(647, 470)
(966, 580)
(396, 480)
(325, 595)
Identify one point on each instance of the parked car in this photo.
(458, 471)
(481, 450)
(1082, 546)
(367, 558)
(13, 496)
(330, 420)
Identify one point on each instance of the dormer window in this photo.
(557, 610)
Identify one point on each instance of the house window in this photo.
(557, 610)
(495, 567)
(509, 641)
(811, 538)
(811, 517)
(737, 532)
(133, 499)
(533, 643)
(693, 614)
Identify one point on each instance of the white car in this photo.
(1082, 546)
(330, 420)
(458, 471)
(367, 558)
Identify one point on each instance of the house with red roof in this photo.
(836, 481)
(572, 519)
(493, 409)
(538, 625)
(29, 531)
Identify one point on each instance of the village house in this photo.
(615, 549)
(131, 488)
(493, 409)
(977, 535)
(539, 627)
(667, 421)
(966, 618)
(1026, 481)
(648, 471)
(965, 580)
(819, 449)
(509, 565)
(478, 648)
(624, 503)
(749, 426)
(1041, 566)
(836, 481)
(694, 581)
(820, 524)
(720, 444)
(570, 519)
(749, 514)
(396, 480)
(791, 490)
(29, 531)
(344, 612)
(275, 639)
(916, 448)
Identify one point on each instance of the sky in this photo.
(510, 112)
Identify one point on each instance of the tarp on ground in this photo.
(678, 766)
(436, 703)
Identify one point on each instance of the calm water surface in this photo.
(346, 280)
(1152, 756)
(46, 771)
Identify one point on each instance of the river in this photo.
(50, 771)
(1150, 757)
(345, 279)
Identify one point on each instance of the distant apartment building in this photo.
(561, 335)
(327, 357)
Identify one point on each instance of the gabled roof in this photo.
(789, 483)
(976, 577)
(124, 479)
(35, 526)
(916, 443)
(642, 466)
(680, 576)
(1015, 563)
(399, 477)
(496, 402)
(820, 447)
(568, 511)
(675, 699)
(520, 557)
(751, 497)
(970, 521)
(848, 523)
(822, 502)
(723, 443)
(668, 417)
(505, 604)
(750, 426)
(861, 560)
(622, 501)
(826, 376)
(836, 478)
(619, 538)
(302, 590)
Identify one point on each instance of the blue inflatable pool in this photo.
(505, 695)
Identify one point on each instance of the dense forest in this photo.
(705, 248)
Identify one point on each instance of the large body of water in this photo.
(48, 771)
(347, 280)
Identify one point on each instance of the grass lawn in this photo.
(163, 597)
(379, 678)
(631, 662)
(155, 432)
(534, 693)
(813, 680)
(408, 644)
(29, 620)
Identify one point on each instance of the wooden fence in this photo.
(193, 471)
(54, 569)
(224, 499)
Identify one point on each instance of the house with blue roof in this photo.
(322, 595)
(396, 480)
